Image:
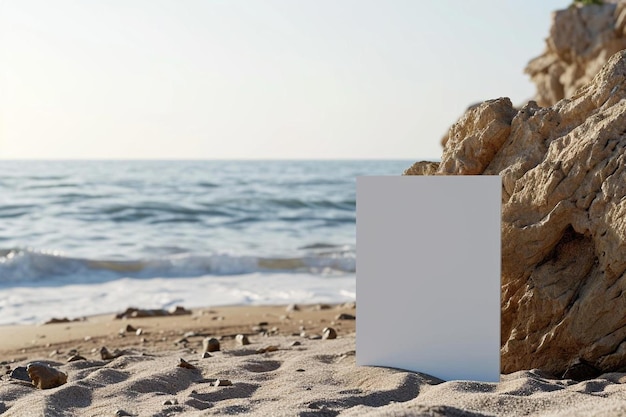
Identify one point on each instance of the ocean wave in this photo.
(20, 266)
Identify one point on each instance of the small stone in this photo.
(74, 358)
(300, 370)
(170, 402)
(129, 328)
(87, 338)
(122, 413)
(292, 307)
(210, 344)
(322, 307)
(55, 352)
(206, 355)
(315, 337)
(20, 373)
(242, 339)
(45, 376)
(190, 334)
(107, 356)
(266, 349)
(258, 329)
(295, 343)
(345, 316)
(184, 364)
(263, 323)
(329, 333)
(178, 311)
(222, 383)
(139, 331)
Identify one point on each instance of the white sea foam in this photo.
(39, 303)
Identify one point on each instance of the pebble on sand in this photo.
(44, 376)
(242, 339)
(266, 349)
(20, 373)
(222, 383)
(329, 333)
(184, 364)
(210, 344)
(106, 355)
(345, 316)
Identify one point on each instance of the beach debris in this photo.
(171, 402)
(181, 341)
(122, 413)
(210, 344)
(206, 355)
(222, 383)
(55, 320)
(345, 316)
(75, 358)
(132, 312)
(295, 343)
(329, 333)
(106, 355)
(270, 348)
(129, 329)
(20, 373)
(242, 339)
(258, 329)
(44, 376)
(292, 307)
(178, 311)
(184, 364)
(139, 331)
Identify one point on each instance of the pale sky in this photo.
(262, 79)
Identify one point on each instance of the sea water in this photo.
(87, 237)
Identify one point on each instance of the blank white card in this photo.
(428, 275)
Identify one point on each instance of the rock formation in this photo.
(582, 38)
(563, 172)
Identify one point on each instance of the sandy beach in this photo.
(287, 369)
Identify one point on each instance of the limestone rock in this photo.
(581, 40)
(422, 168)
(45, 376)
(563, 171)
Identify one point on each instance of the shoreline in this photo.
(159, 333)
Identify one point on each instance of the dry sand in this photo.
(314, 378)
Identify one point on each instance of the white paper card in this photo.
(428, 275)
